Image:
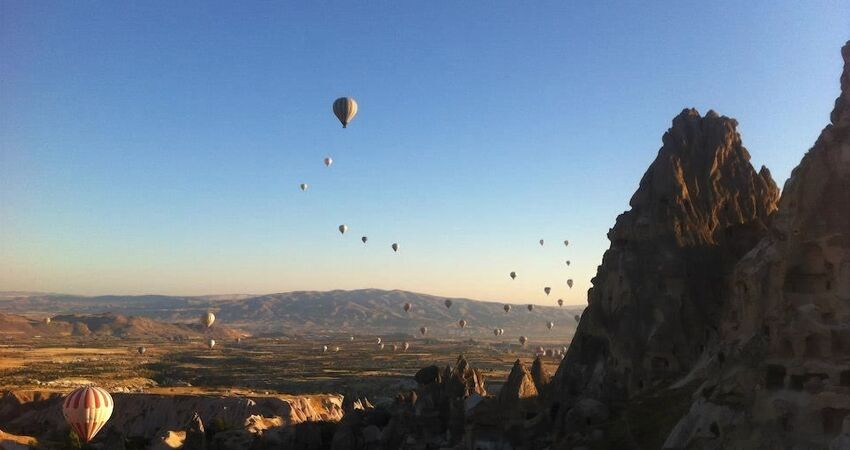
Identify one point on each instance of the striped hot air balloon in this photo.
(86, 410)
(345, 108)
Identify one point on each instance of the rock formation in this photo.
(779, 372)
(657, 298)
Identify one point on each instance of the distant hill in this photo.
(107, 325)
(370, 311)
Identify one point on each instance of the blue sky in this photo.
(157, 147)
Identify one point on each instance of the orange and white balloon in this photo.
(87, 409)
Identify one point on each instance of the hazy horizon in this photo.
(157, 148)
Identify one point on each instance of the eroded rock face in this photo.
(781, 364)
(658, 294)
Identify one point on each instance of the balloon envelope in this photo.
(523, 340)
(570, 283)
(395, 247)
(541, 242)
(513, 275)
(364, 239)
(345, 108)
(342, 228)
(407, 307)
(211, 343)
(448, 303)
(507, 308)
(462, 323)
(328, 161)
(86, 410)
(304, 186)
(207, 319)
(560, 302)
(141, 350)
(530, 307)
(423, 330)
(547, 290)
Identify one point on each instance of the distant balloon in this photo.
(141, 350)
(407, 307)
(540, 350)
(336, 349)
(207, 319)
(380, 346)
(547, 290)
(577, 318)
(351, 339)
(560, 302)
(345, 108)
(405, 346)
(570, 283)
(239, 340)
(364, 239)
(304, 186)
(423, 330)
(379, 340)
(462, 323)
(507, 308)
(448, 303)
(495, 331)
(324, 349)
(87, 409)
(568, 262)
(530, 308)
(343, 228)
(523, 340)
(550, 325)
(394, 247)
(47, 320)
(566, 243)
(513, 275)
(395, 347)
(501, 331)
(328, 161)
(211, 343)
(541, 242)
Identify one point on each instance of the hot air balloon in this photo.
(448, 303)
(513, 275)
(564, 349)
(570, 283)
(568, 262)
(336, 349)
(501, 331)
(541, 242)
(423, 330)
(507, 308)
(405, 346)
(304, 186)
(407, 307)
(560, 302)
(495, 331)
(342, 228)
(395, 347)
(345, 108)
(566, 243)
(328, 161)
(324, 349)
(207, 319)
(461, 323)
(47, 320)
(239, 340)
(364, 239)
(530, 308)
(211, 343)
(380, 346)
(550, 324)
(395, 247)
(351, 339)
(87, 409)
(577, 318)
(141, 350)
(379, 340)
(547, 290)
(523, 340)
(540, 350)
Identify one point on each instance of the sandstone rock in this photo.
(539, 374)
(658, 296)
(785, 337)
(196, 438)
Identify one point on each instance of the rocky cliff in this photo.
(657, 297)
(778, 374)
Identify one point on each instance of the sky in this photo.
(157, 146)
